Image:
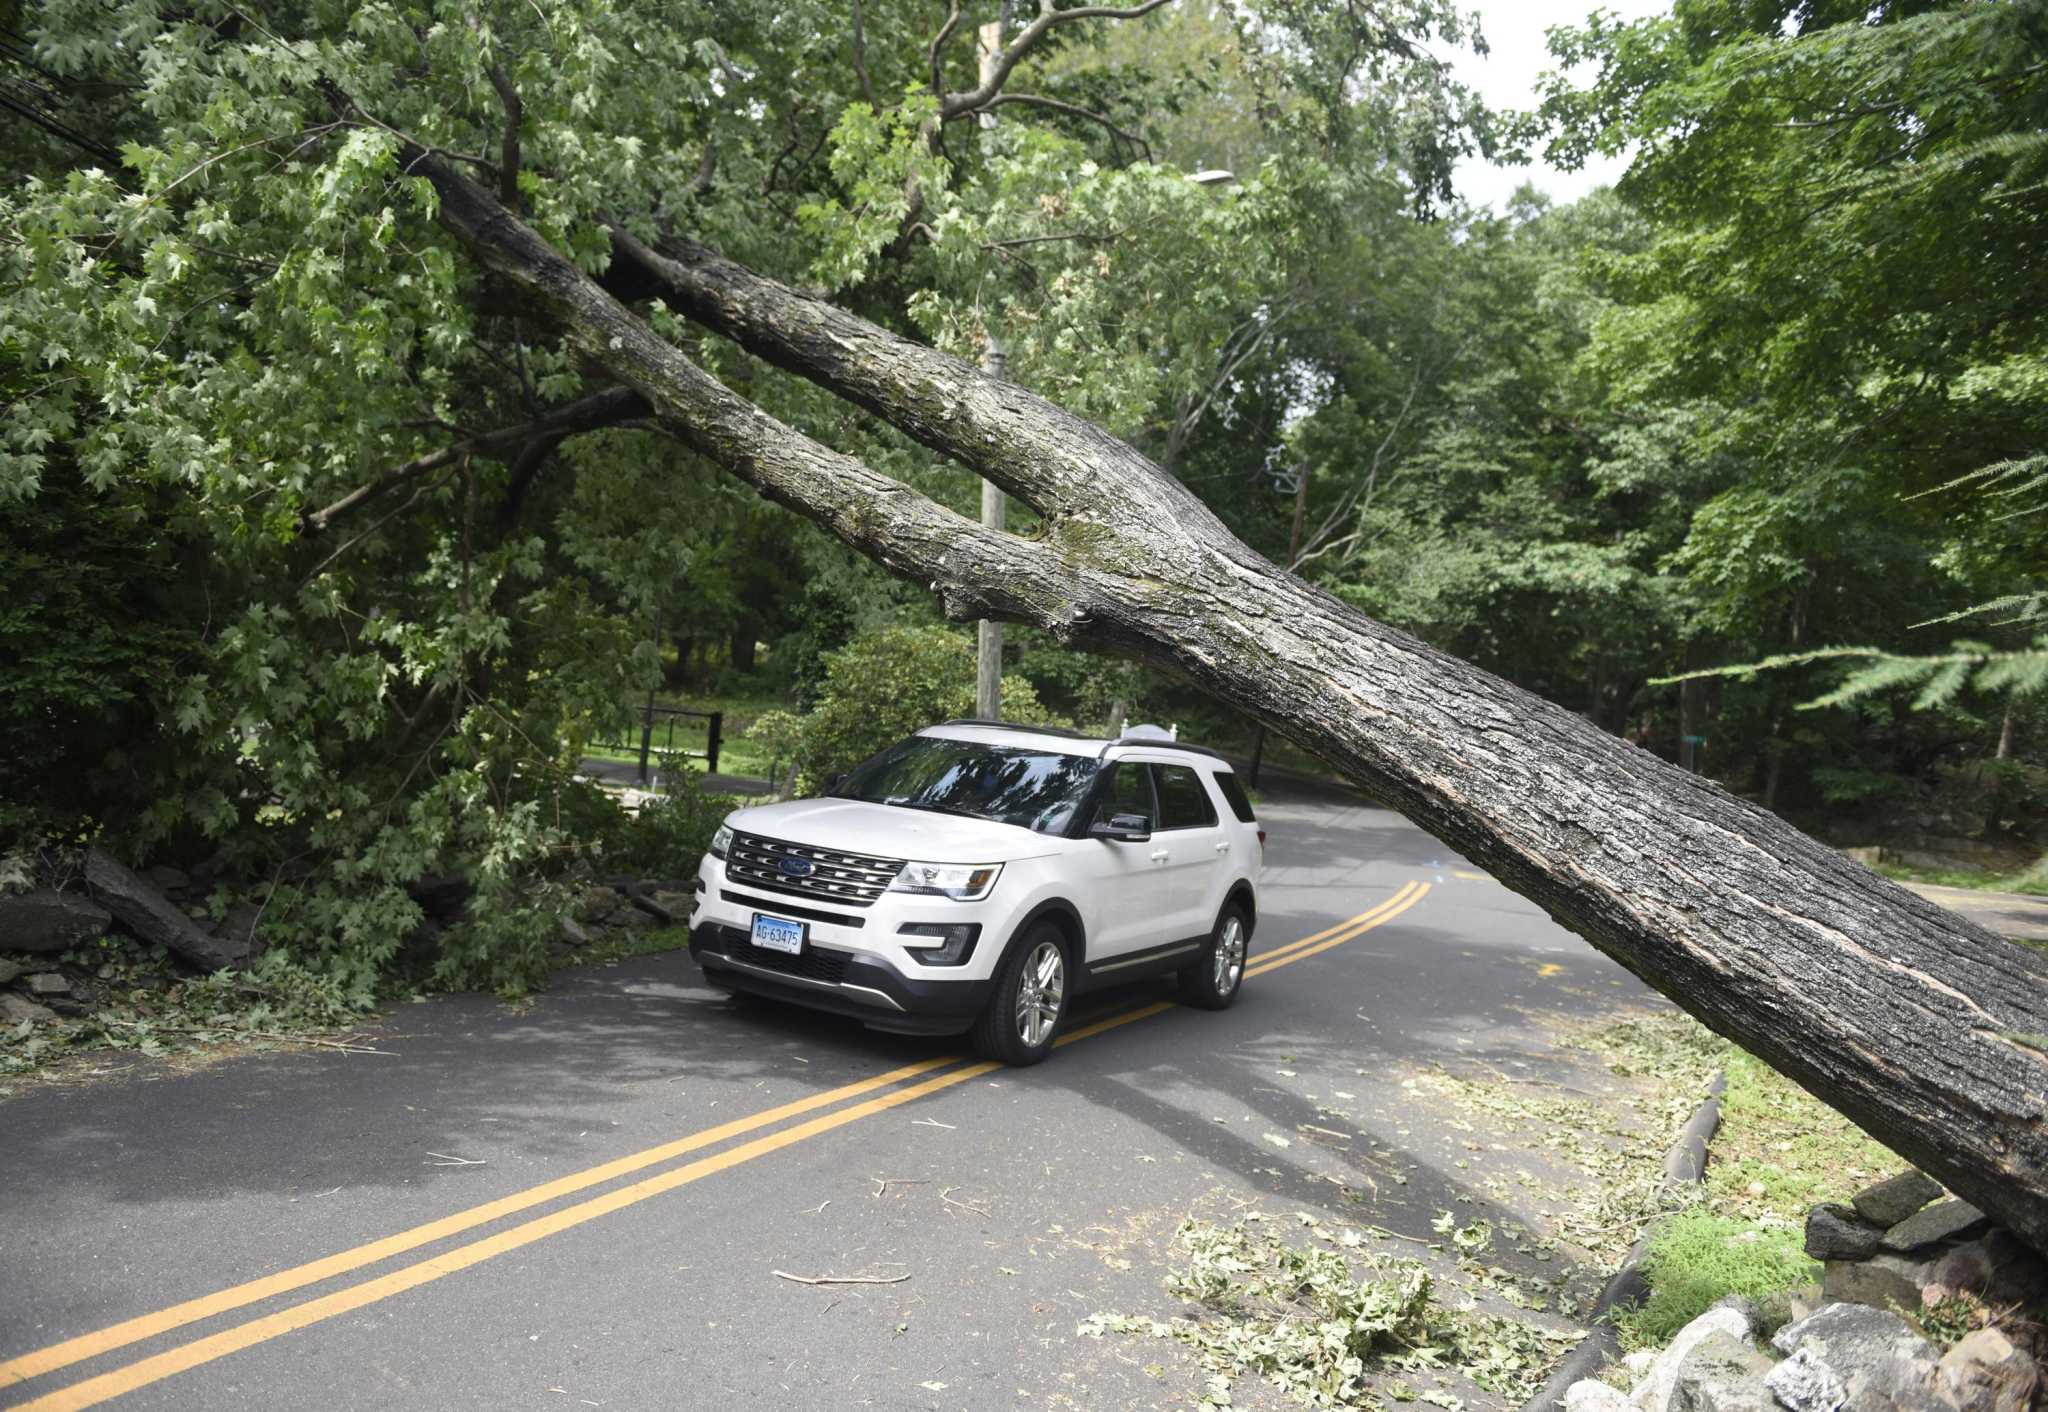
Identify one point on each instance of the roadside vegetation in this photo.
(1337, 1313)
(324, 569)
(1778, 1154)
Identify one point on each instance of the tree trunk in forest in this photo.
(2005, 735)
(1921, 1026)
(743, 634)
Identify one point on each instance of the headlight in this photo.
(963, 882)
(721, 840)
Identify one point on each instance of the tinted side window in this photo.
(1129, 791)
(1233, 795)
(1183, 803)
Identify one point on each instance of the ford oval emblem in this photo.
(796, 867)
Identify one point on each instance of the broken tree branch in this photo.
(841, 1279)
(860, 59)
(952, 105)
(602, 409)
(1072, 110)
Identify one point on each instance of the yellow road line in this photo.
(1343, 931)
(93, 1391)
(1400, 903)
(73, 1350)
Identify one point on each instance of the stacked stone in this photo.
(1899, 1244)
(1902, 1244)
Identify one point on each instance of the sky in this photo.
(1506, 78)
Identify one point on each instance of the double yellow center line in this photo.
(93, 1391)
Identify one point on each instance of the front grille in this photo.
(850, 878)
(816, 963)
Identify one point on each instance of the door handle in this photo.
(1160, 856)
(1224, 846)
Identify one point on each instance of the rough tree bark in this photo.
(1925, 1029)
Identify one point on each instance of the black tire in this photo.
(1213, 982)
(1005, 1032)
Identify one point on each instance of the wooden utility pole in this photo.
(988, 642)
(1293, 558)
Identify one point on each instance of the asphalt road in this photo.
(585, 1203)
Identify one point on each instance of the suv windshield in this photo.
(1033, 789)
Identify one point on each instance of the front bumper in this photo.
(857, 984)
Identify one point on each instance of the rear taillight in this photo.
(1262, 838)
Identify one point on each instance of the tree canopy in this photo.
(328, 555)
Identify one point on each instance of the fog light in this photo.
(940, 943)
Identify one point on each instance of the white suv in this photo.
(978, 876)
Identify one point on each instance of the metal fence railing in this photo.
(659, 727)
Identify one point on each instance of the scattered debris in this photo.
(945, 1196)
(842, 1279)
(882, 1184)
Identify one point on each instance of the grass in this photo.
(736, 754)
(1779, 1152)
(2031, 881)
(1697, 1258)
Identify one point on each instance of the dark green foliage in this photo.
(100, 605)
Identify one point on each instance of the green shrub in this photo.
(884, 685)
(672, 830)
(1697, 1258)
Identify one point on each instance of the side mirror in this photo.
(1123, 828)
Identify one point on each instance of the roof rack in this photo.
(1151, 742)
(1146, 741)
(1020, 728)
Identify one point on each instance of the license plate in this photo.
(777, 934)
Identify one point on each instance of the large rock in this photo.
(1940, 1224)
(1805, 1383)
(149, 914)
(653, 907)
(49, 983)
(1882, 1364)
(598, 903)
(1836, 1232)
(47, 920)
(1895, 1198)
(1884, 1281)
(1964, 1270)
(16, 1008)
(680, 903)
(238, 927)
(1655, 1392)
(1722, 1374)
(1986, 1373)
(1592, 1395)
(2019, 1275)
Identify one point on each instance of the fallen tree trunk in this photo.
(1925, 1029)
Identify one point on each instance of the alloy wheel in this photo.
(1228, 961)
(1039, 992)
